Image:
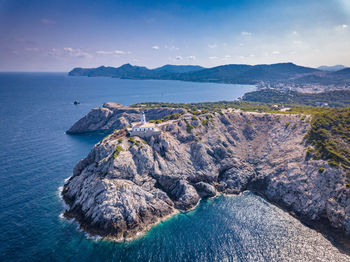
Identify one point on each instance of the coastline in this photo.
(341, 242)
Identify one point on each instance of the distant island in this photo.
(279, 76)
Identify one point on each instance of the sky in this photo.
(56, 36)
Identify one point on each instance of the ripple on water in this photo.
(238, 228)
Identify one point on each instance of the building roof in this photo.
(139, 125)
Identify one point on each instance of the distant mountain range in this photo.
(281, 73)
(331, 68)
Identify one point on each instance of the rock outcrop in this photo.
(115, 116)
(119, 193)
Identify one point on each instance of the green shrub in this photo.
(194, 118)
(117, 151)
(120, 140)
(303, 117)
(294, 126)
(204, 122)
(132, 140)
(287, 124)
(309, 151)
(189, 128)
(321, 170)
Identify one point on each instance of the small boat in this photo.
(76, 102)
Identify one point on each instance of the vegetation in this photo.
(132, 140)
(189, 128)
(216, 107)
(329, 137)
(117, 151)
(120, 140)
(337, 98)
(286, 74)
(204, 122)
(166, 118)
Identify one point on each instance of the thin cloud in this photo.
(244, 33)
(74, 52)
(341, 27)
(191, 57)
(113, 52)
(155, 47)
(119, 52)
(32, 49)
(227, 57)
(68, 49)
(212, 46)
(213, 57)
(179, 58)
(171, 48)
(46, 21)
(275, 52)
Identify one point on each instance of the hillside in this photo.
(285, 74)
(331, 68)
(127, 184)
(337, 98)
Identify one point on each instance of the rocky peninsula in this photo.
(127, 184)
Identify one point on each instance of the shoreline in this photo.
(342, 242)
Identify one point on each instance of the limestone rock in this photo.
(121, 195)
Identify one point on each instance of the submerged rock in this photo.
(118, 195)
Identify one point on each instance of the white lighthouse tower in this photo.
(143, 129)
(143, 118)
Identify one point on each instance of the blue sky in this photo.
(59, 35)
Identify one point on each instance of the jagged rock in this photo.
(114, 116)
(205, 190)
(121, 195)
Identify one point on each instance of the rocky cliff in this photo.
(114, 116)
(125, 185)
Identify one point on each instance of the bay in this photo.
(37, 156)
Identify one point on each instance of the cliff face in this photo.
(124, 185)
(114, 116)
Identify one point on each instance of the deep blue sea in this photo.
(36, 156)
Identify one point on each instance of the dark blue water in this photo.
(36, 156)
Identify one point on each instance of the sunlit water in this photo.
(36, 156)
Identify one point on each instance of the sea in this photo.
(37, 156)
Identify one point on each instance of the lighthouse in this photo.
(143, 118)
(143, 129)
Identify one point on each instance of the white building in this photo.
(143, 129)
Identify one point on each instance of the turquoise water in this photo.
(36, 157)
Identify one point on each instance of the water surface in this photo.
(36, 157)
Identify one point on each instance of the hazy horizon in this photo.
(56, 36)
(151, 67)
